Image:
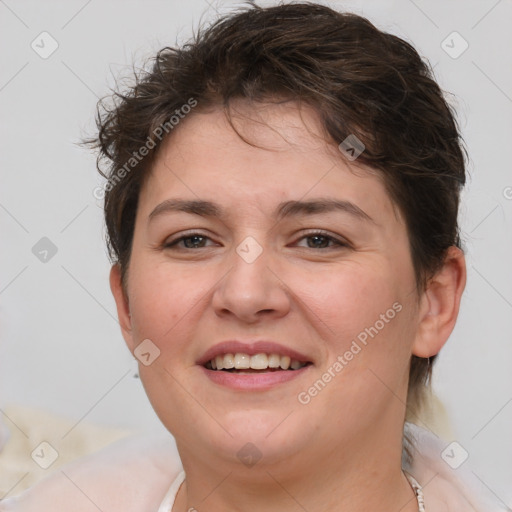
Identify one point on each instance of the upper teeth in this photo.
(256, 362)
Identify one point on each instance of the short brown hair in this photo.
(361, 81)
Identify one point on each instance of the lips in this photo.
(252, 351)
(252, 367)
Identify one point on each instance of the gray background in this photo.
(61, 348)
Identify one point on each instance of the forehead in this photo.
(277, 153)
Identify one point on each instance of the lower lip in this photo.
(253, 381)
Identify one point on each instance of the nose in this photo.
(251, 290)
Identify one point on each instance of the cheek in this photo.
(166, 306)
(348, 299)
(163, 303)
(362, 313)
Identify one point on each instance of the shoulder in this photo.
(446, 488)
(131, 475)
(441, 495)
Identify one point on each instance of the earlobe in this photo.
(122, 304)
(439, 306)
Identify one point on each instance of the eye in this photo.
(321, 240)
(316, 240)
(190, 241)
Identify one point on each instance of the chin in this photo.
(264, 437)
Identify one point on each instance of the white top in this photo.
(170, 497)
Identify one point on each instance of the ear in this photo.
(439, 305)
(122, 304)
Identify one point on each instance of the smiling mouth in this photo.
(259, 363)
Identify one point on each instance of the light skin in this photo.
(342, 450)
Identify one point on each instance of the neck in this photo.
(361, 478)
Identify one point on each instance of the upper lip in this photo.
(251, 349)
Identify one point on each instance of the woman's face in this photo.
(266, 266)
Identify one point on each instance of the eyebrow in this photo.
(284, 210)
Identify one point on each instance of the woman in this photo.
(281, 205)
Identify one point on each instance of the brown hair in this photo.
(360, 81)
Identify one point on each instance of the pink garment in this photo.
(144, 475)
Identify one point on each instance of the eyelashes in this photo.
(198, 238)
